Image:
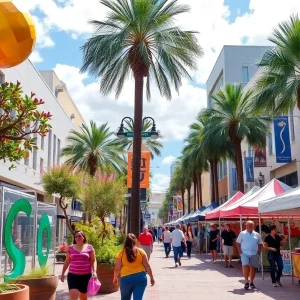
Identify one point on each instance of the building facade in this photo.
(27, 174)
(155, 203)
(235, 65)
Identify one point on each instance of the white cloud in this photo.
(160, 182)
(35, 57)
(168, 160)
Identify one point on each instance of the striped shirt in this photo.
(80, 262)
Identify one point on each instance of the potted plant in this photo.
(42, 284)
(61, 253)
(11, 291)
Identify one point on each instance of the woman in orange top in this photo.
(132, 263)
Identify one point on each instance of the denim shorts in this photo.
(250, 260)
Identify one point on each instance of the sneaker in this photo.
(252, 285)
(274, 284)
(231, 266)
(246, 286)
(279, 283)
(176, 265)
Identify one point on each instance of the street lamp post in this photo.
(134, 206)
(260, 179)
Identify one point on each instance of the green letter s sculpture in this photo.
(17, 256)
(44, 225)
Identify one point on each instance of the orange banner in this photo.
(145, 170)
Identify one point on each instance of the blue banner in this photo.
(171, 208)
(282, 140)
(249, 168)
(234, 179)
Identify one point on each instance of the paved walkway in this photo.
(198, 278)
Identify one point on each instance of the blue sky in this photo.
(62, 30)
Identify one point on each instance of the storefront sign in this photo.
(249, 168)
(260, 157)
(282, 140)
(287, 266)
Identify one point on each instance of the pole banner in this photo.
(249, 167)
(260, 157)
(282, 140)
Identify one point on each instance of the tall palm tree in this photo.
(235, 115)
(154, 146)
(139, 37)
(94, 148)
(278, 86)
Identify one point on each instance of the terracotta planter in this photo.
(22, 294)
(106, 277)
(41, 288)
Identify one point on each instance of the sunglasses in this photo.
(78, 236)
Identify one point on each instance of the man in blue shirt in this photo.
(249, 245)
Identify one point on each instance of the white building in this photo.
(156, 200)
(27, 174)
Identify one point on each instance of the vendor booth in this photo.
(197, 215)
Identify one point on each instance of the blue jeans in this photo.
(167, 248)
(133, 284)
(275, 259)
(177, 253)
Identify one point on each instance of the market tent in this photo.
(201, 216)
(215, 214)
(187, 216)
(178, 220)
(249, 206)
(195, 216)
(285, 204)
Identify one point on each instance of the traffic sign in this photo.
(130, 134)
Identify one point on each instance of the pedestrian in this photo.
(146, 242)
(272, 243)
(189, 237)
(166, 237)
(228, 240)
(150, 230)
(133, 264)
(201, 236)
(213, 238)
(249, 245)
(81, 260)
(155, 234)
(159, 233)
(177, 239)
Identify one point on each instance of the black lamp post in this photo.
(260, 179)
(121, 134)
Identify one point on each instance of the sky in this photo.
(62, 28)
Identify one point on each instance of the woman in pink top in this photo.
(82, 265)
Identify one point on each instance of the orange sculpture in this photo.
(17, 35)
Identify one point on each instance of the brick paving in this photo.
(198, 278)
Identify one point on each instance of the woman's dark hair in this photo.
(82, 233)
(130, 243)
(272, 227)
(187, 229)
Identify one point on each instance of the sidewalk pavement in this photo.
(198, 278)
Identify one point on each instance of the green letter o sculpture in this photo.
(44, 225)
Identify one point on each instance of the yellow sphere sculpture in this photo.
(17, 35)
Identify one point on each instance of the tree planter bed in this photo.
(22, 294)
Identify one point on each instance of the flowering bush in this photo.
(20, 119)
(63, 248)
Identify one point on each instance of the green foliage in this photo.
(37, 273)
(20, 121)
(142, 38)
(8, 287)
(94, 148)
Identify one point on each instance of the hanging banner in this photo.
(145, 170)
(171, 209)
(234, 179)
(282, 140)
(260, 157)
(178, 201)
(249, 168)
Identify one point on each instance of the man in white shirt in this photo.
(167, 239)
(249, 245)
(177, 238)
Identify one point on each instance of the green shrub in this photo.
(8, 286)
(37, 273)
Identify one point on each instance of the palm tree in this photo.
(235, 115)
(278, 86)
(139, 37)
(154, 146)
(94, 148)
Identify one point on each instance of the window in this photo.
(290, 179)
(225, 168)
(42, 142)
(58, 152)
(41, 166)
(54, 149)
(292, 126)
(49, 147)
(271, 144)
(153, 213)
(245, 74)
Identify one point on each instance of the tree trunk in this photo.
(64, 207)
(239, 166)
(195, 192)
(134, 213)
(189, 198)
(215, 164)
(212, 193)
(200, 190)
(183, 206)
